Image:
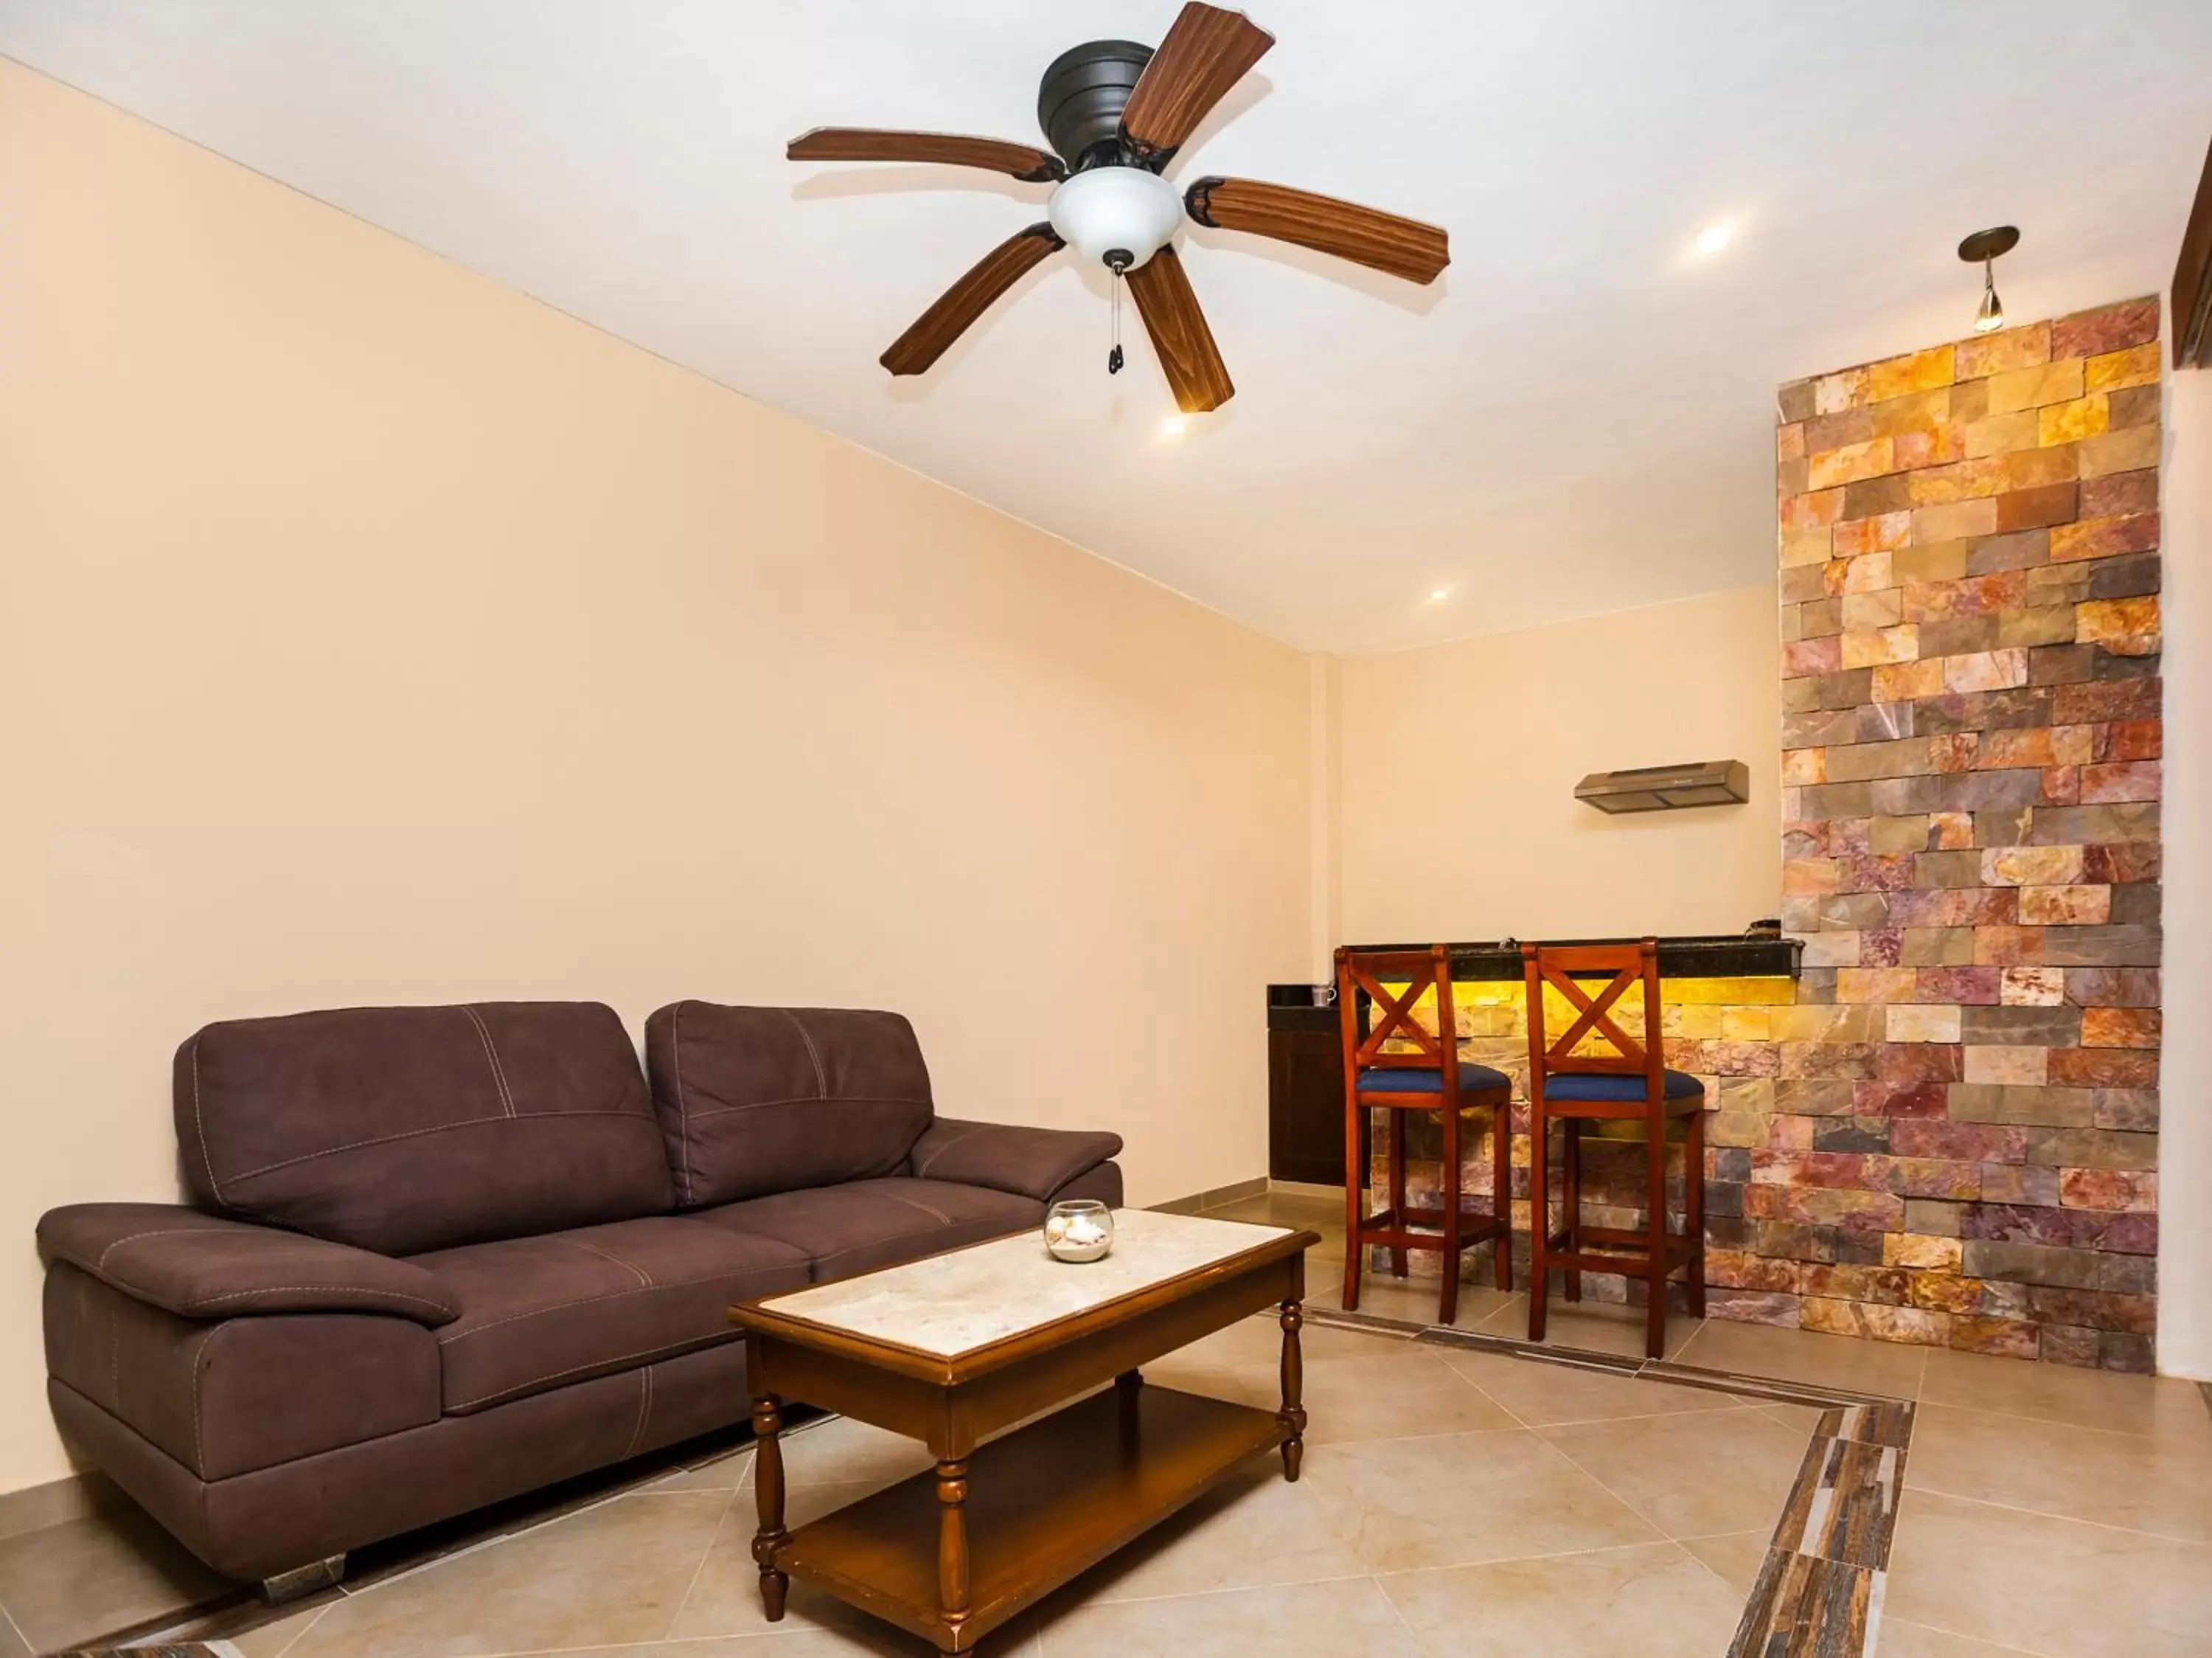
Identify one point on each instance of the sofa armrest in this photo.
(1030, 1163)
(201, 1266)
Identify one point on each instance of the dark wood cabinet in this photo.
(1305, 1094)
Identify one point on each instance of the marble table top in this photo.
(954, 1303)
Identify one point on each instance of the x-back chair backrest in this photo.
(1371, 971)
(1569, 969)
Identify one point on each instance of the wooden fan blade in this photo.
(863, 143)
(1183, 343)
(969, 298)
(1206, 51)
(1383, 241)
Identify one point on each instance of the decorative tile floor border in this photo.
(1819, 1593)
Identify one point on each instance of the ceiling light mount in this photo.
(1984, 248)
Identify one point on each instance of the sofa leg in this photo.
(303, 1581)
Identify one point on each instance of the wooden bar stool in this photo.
(1628, 1088)
(1431, 1077)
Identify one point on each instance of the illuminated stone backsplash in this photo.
(1945, 1131)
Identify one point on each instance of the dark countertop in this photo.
(1700, 955)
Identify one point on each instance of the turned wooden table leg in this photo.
(767, 1492)
(953, 1539)
(1293, 1415)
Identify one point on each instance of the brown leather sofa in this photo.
(437, 1257)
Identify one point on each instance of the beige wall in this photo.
(371, 633)
(2185, 1146)
(1457, 816)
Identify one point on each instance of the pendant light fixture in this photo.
(1984, 248)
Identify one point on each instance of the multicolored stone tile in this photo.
(1974, 774)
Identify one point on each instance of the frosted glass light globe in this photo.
(1109, 210)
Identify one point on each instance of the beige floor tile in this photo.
(730, 1473)
(1467, 1498)
(1325, 1620)
(1260, 1341)
(1285, 1209)
(12, 1644)
(276, 1637)
(1588, 1327)
(723, 1597)
(63, 1584)
(2132, 1480)
(1898, 1639)
(1395, 1396)
(1800, 1419)
(841, 1452)
(1414, 1301)
(2162, 1406)
(611, 1574)
(1735, 1556)
(1253, 1530)
(1542, 1394)
(2047, 1586)
(874, 1640)
(1696, 1475)
(1845, 1362)
(1651, 1599)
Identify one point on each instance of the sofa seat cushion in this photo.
(864, 1224)
(543, 1312)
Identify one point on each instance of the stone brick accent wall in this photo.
(1947, 1131)
(1961, 1144)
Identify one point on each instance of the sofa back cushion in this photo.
(406, 1128)
(755, 1100)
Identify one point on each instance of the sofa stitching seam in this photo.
(315, 1289)
(815, 1099)
(99, 1261)
(199, 1125)
(665, 1350)
(916, 1202)
(820, 1078)
(415, 1133)
(644, 1408)
(682, 1109)
(937, 1152)
(895, 1237)
(612, 1295)
(199, 1364)
(644, 1278)
(491, 1053)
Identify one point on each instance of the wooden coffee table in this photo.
(951, 1350)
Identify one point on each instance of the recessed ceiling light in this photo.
(1714, 237)
(1172, 426)
(1439, 594)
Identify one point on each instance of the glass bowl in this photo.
(1079, 1229)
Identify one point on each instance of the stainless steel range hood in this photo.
(1668, 788)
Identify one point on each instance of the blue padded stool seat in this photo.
(1612, 1087)
(1473, 1079)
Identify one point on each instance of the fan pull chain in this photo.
(1114, 356)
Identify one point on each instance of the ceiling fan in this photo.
(1116, 113)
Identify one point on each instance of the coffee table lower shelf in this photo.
(1043, 1503)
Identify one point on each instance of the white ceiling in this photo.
(1576, 418)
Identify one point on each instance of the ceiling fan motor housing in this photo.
(1080, 100)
